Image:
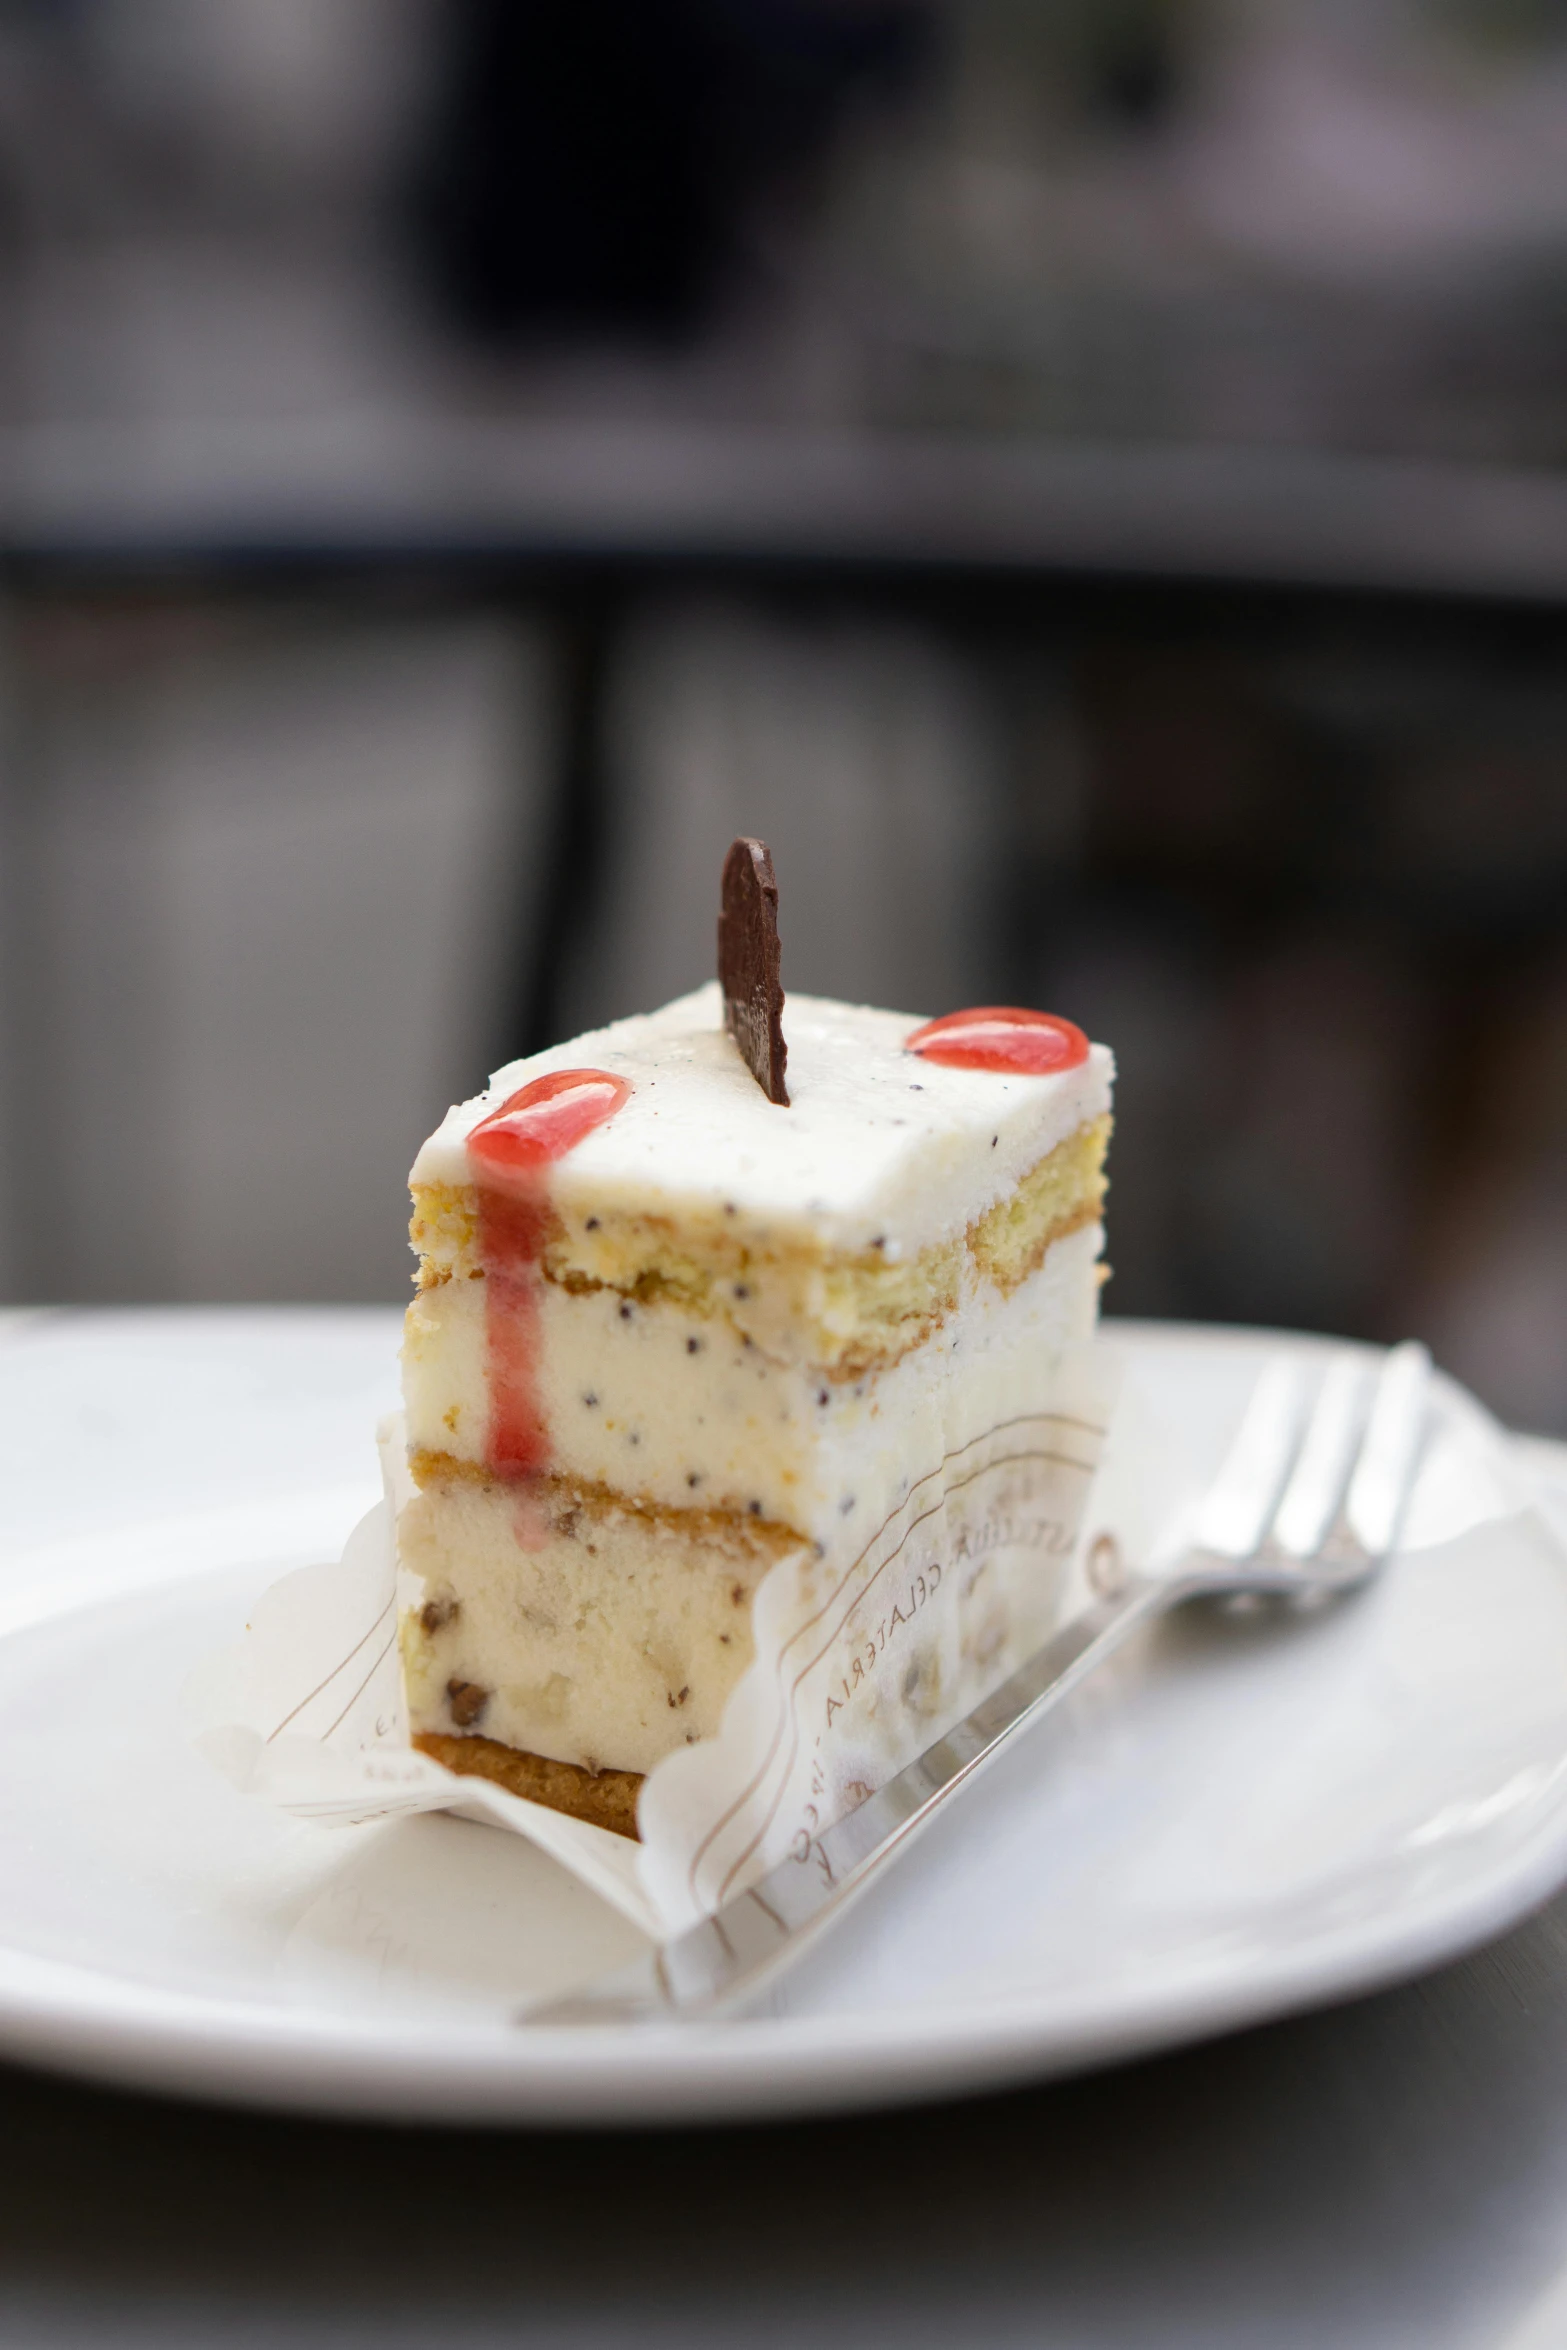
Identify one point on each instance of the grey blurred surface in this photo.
(1390, 2175)
(865, 752)
(262, 874)
(658, 489)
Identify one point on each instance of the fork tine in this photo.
(1385, 1470)
(1232, 1518)
(1322, 1468)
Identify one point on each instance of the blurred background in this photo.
(1085, 479)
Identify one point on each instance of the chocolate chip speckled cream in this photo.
(671, 1334)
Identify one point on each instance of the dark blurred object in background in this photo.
(595, 168)
(1271, 225)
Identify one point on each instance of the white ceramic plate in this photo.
(1235, 1818)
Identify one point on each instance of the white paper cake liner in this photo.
(307, 1711)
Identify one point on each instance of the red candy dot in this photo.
(1004, 1037)
(543, 1121)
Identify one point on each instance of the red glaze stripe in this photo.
(1002, 1037)
(509, 1153)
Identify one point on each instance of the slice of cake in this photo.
(687, 1312)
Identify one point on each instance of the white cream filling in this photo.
(612, 1639)
(678, 1410)
(607, 1643)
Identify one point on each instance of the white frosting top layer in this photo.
(878, 1147)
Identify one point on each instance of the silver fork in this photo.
(1306, 1504)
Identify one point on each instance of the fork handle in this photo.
(755, 1935)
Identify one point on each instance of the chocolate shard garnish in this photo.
(748, 965)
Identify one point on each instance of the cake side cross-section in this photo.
(745, 1333)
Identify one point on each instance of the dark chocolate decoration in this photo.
(748, 965)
